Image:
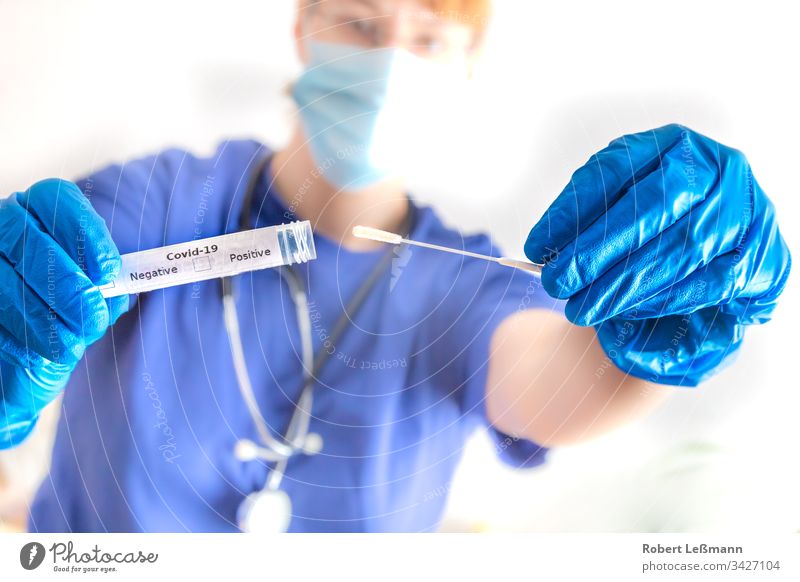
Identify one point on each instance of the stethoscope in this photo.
(270, 508)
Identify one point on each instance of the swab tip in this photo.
(377, 234)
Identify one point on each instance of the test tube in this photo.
(214, 257)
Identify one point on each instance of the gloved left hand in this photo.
(664, 242)
(54, 252)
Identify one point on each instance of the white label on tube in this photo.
(198, 260)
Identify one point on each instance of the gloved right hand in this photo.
(55, 250)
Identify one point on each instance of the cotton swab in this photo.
(395, 239)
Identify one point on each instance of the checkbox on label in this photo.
(202, 264)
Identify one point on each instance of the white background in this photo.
(83, 83)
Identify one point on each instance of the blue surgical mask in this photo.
(363, 108)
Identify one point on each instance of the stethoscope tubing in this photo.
(296, 440)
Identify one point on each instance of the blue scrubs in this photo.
(152, 414)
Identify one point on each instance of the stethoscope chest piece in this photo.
(266, 511)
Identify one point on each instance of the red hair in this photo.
(472, 13)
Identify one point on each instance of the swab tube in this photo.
(214, 257)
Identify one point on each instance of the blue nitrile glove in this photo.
(54, 251)
(664, 242)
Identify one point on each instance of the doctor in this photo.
(660, 252)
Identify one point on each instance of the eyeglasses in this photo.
(377, 23)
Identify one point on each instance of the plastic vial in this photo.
(211, 258)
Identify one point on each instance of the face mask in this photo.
(368, 114)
